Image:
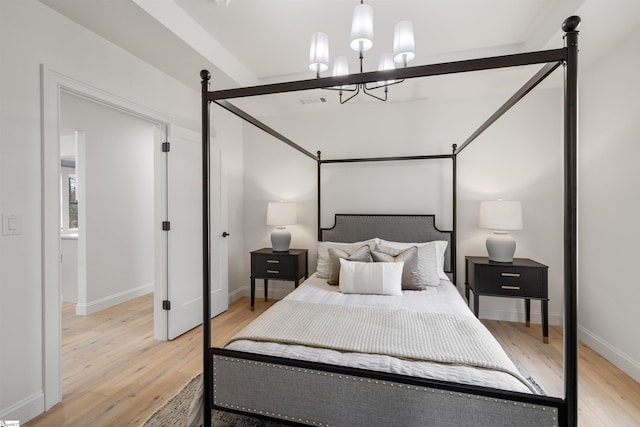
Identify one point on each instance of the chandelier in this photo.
(362, 41)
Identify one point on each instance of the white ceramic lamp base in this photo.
(501, 246)
(280, 239)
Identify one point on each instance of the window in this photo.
(73, 203)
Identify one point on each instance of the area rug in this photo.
(175, 412)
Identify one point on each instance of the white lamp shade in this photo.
(362, 28)
(281, 214)
(500, 215)
(340, 66)
(386, 63)
(404, 47)
(319, 52)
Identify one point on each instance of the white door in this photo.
(184, 238)
(219, 236)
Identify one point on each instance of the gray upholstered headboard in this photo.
(397, 228)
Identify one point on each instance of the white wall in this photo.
(609, 205)
(519, 158)
(273, 172)
(32, 34)
(116, 200)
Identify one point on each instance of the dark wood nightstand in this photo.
(266, 264)
(522, 278)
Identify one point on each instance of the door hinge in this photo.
(166, 147)
(166, 226)
(166, 305)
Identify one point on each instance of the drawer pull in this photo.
(273, 271)
(510, 287)
(273, 261)
(510, 274)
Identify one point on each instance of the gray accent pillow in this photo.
(427, 262)
(410, 277)
(322, 269)
(362, 254)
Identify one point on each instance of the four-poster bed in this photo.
(288, 389)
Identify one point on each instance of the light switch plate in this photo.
(11, 224)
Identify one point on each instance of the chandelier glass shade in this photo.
(319, 53)
(404, 47)
(362, 41)
(362, 28)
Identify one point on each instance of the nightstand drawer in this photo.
(264, 265)
(511, 287)
(510, 281)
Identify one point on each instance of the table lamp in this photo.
(281, 214)
(500, 216)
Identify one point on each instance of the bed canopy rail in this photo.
(551, 58)
(388, 159)
(480, 64)
(567, 408)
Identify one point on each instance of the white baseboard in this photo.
(24, 410)
(613, 354)
(84, 309)
(236, 295)
(276, 290)
(514, 315)
(518, 316)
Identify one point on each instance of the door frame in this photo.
(52, 84)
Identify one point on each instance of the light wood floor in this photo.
(116, 373)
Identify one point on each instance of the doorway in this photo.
(54, 85)
(107, 180)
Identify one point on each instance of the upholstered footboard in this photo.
(317, 394)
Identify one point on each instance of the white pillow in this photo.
(379, 278)
(441, 247)
(322, 270)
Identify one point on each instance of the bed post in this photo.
(570, 27)
(454, 222)
(207, 369)
(319, 224)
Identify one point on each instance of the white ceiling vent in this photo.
(320, 100)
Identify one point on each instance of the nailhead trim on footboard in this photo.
(320, 398)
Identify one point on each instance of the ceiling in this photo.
(276, 48)
(249, 42)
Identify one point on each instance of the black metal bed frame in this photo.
(552, 59)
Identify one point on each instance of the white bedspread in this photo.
(443, 299)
